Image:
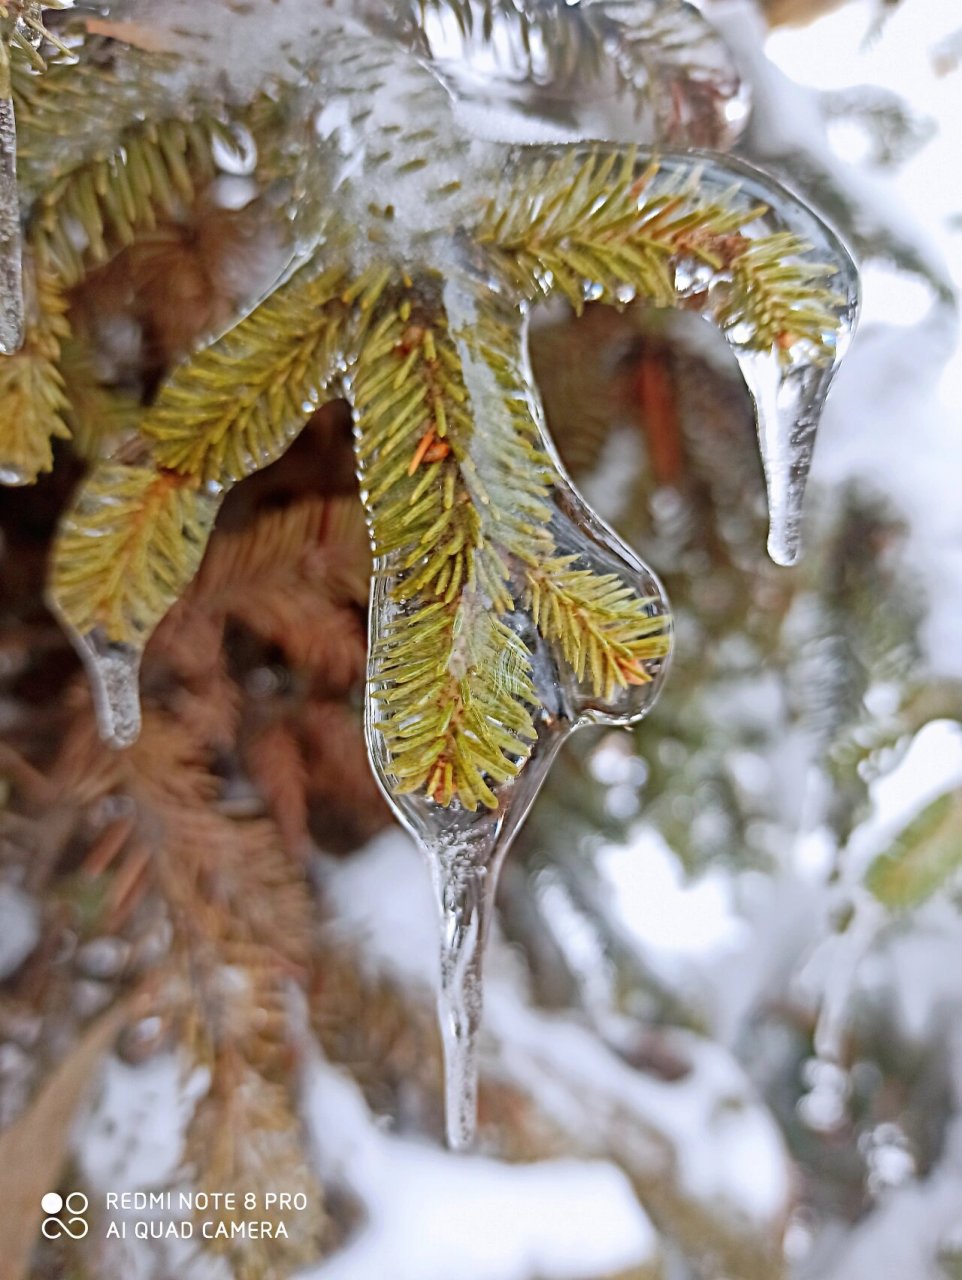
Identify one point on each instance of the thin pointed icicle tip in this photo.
(114, 673)
(784, 545)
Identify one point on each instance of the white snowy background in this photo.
(731, 938)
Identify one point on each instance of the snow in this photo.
(429, 1213)
(726, 1151)
(660, 907)
(133, 1136)
(19, 928)
(931, 766)
(132, 1139)
(724, 1145)
(382, 901)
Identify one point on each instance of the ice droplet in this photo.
(114, 674)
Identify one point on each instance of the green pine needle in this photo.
(455, 688)
(607, 633)
(237, 405)
(127, 550)
(594, 225)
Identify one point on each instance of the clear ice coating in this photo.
(789, 384)
(645, 71)
(400, 131)
(466, 847)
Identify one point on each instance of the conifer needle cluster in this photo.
(461, 496)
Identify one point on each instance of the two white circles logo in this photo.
(75, 1226)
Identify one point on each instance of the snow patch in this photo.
(429, 1212)
(19, 928)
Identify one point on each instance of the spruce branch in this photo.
(455, 721)
(455, 690)
(775, 295)
(452, 680)
(127, 550)
(605, 630)
(84, 109)
(578, 221)
(156, 169)
(33, 403)
(320, 541)
(297, 578)
(105, 149)
(597, 225)
(238, 404)
(415, 432)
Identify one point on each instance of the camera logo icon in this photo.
(75, 1226)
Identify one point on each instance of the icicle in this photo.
(789, 383)
(465, 851)
(787, 407)
(114, 673)
(11, 247)
(465, 848)
(644, 72)
(465, 882)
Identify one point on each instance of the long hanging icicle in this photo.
(21, 27)
(11, 240)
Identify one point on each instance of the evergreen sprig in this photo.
(155, 169)
(456, 695)
(776, 296)
(33, 402)
(128, 549)
(451, 679)
(596, 226)
(605, 630)
(236, 406)
(81, 110)
(420, 475)
(467, 521)
(581, 222)
(456, 721)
